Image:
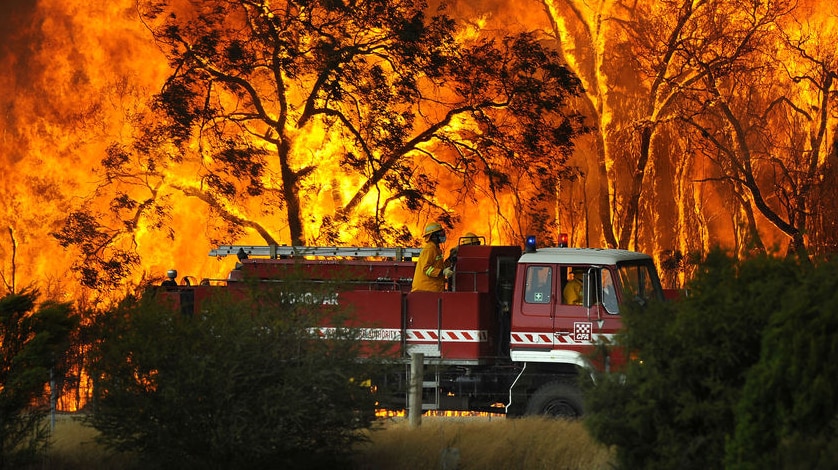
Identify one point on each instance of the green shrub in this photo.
(788, 415)
(33, 342)
(674, 406)
(243, 384)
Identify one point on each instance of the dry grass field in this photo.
(482, 443)
(438, 443)
(74, 448)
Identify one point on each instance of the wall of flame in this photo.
(73, 73)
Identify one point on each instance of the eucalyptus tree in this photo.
(767, 123)
(384, 88)
(638, 62)
(331, 122)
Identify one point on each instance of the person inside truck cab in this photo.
(572, 293)
(431, 271)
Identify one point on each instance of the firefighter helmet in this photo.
(469, 239)
(431, 229)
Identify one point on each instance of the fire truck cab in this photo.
(554, 333)
(501, 338)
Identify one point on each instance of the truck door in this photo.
(603, 302)
(571, 323)
(587, 309)
(540, 294)
(604, 306)
(581, 322)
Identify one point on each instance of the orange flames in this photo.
(77, 76)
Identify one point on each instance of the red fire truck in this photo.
(500, 338)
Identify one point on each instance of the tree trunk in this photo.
(290, 192)
(629, 221)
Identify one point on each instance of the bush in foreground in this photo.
(742, 373)
(33, 341)
(244, 384)
(788, 415)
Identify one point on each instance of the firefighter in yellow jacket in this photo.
(431, 272)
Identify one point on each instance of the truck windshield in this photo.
(639, 282)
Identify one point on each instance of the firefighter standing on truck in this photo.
(431, 271)
(467, 239)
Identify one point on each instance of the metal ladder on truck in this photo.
(284, 251)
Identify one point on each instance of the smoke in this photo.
(15, 15)
(17, 38)
(503, 15)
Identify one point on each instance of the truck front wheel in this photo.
(556, 399)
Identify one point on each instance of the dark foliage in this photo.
(788, 415)
(33, 341)
(741, 374)
(388, 78)
(244, 384)
(101, 265)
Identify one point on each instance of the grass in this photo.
(438, 443)
(73, 447)
(483, 443)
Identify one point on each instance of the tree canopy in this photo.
(321, 122)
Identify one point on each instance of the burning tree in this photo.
(635, 107)
(657, 78)
(377, 91)
(338, 122)
(765, 125)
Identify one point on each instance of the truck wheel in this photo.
(556, 399)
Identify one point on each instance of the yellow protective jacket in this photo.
(428, 275)
(572, 294)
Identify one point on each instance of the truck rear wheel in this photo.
(556, 399)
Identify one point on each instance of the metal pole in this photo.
(52, 399)
(417, 375)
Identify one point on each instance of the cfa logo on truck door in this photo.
(582, 331)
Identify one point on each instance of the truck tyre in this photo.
(556, 399)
